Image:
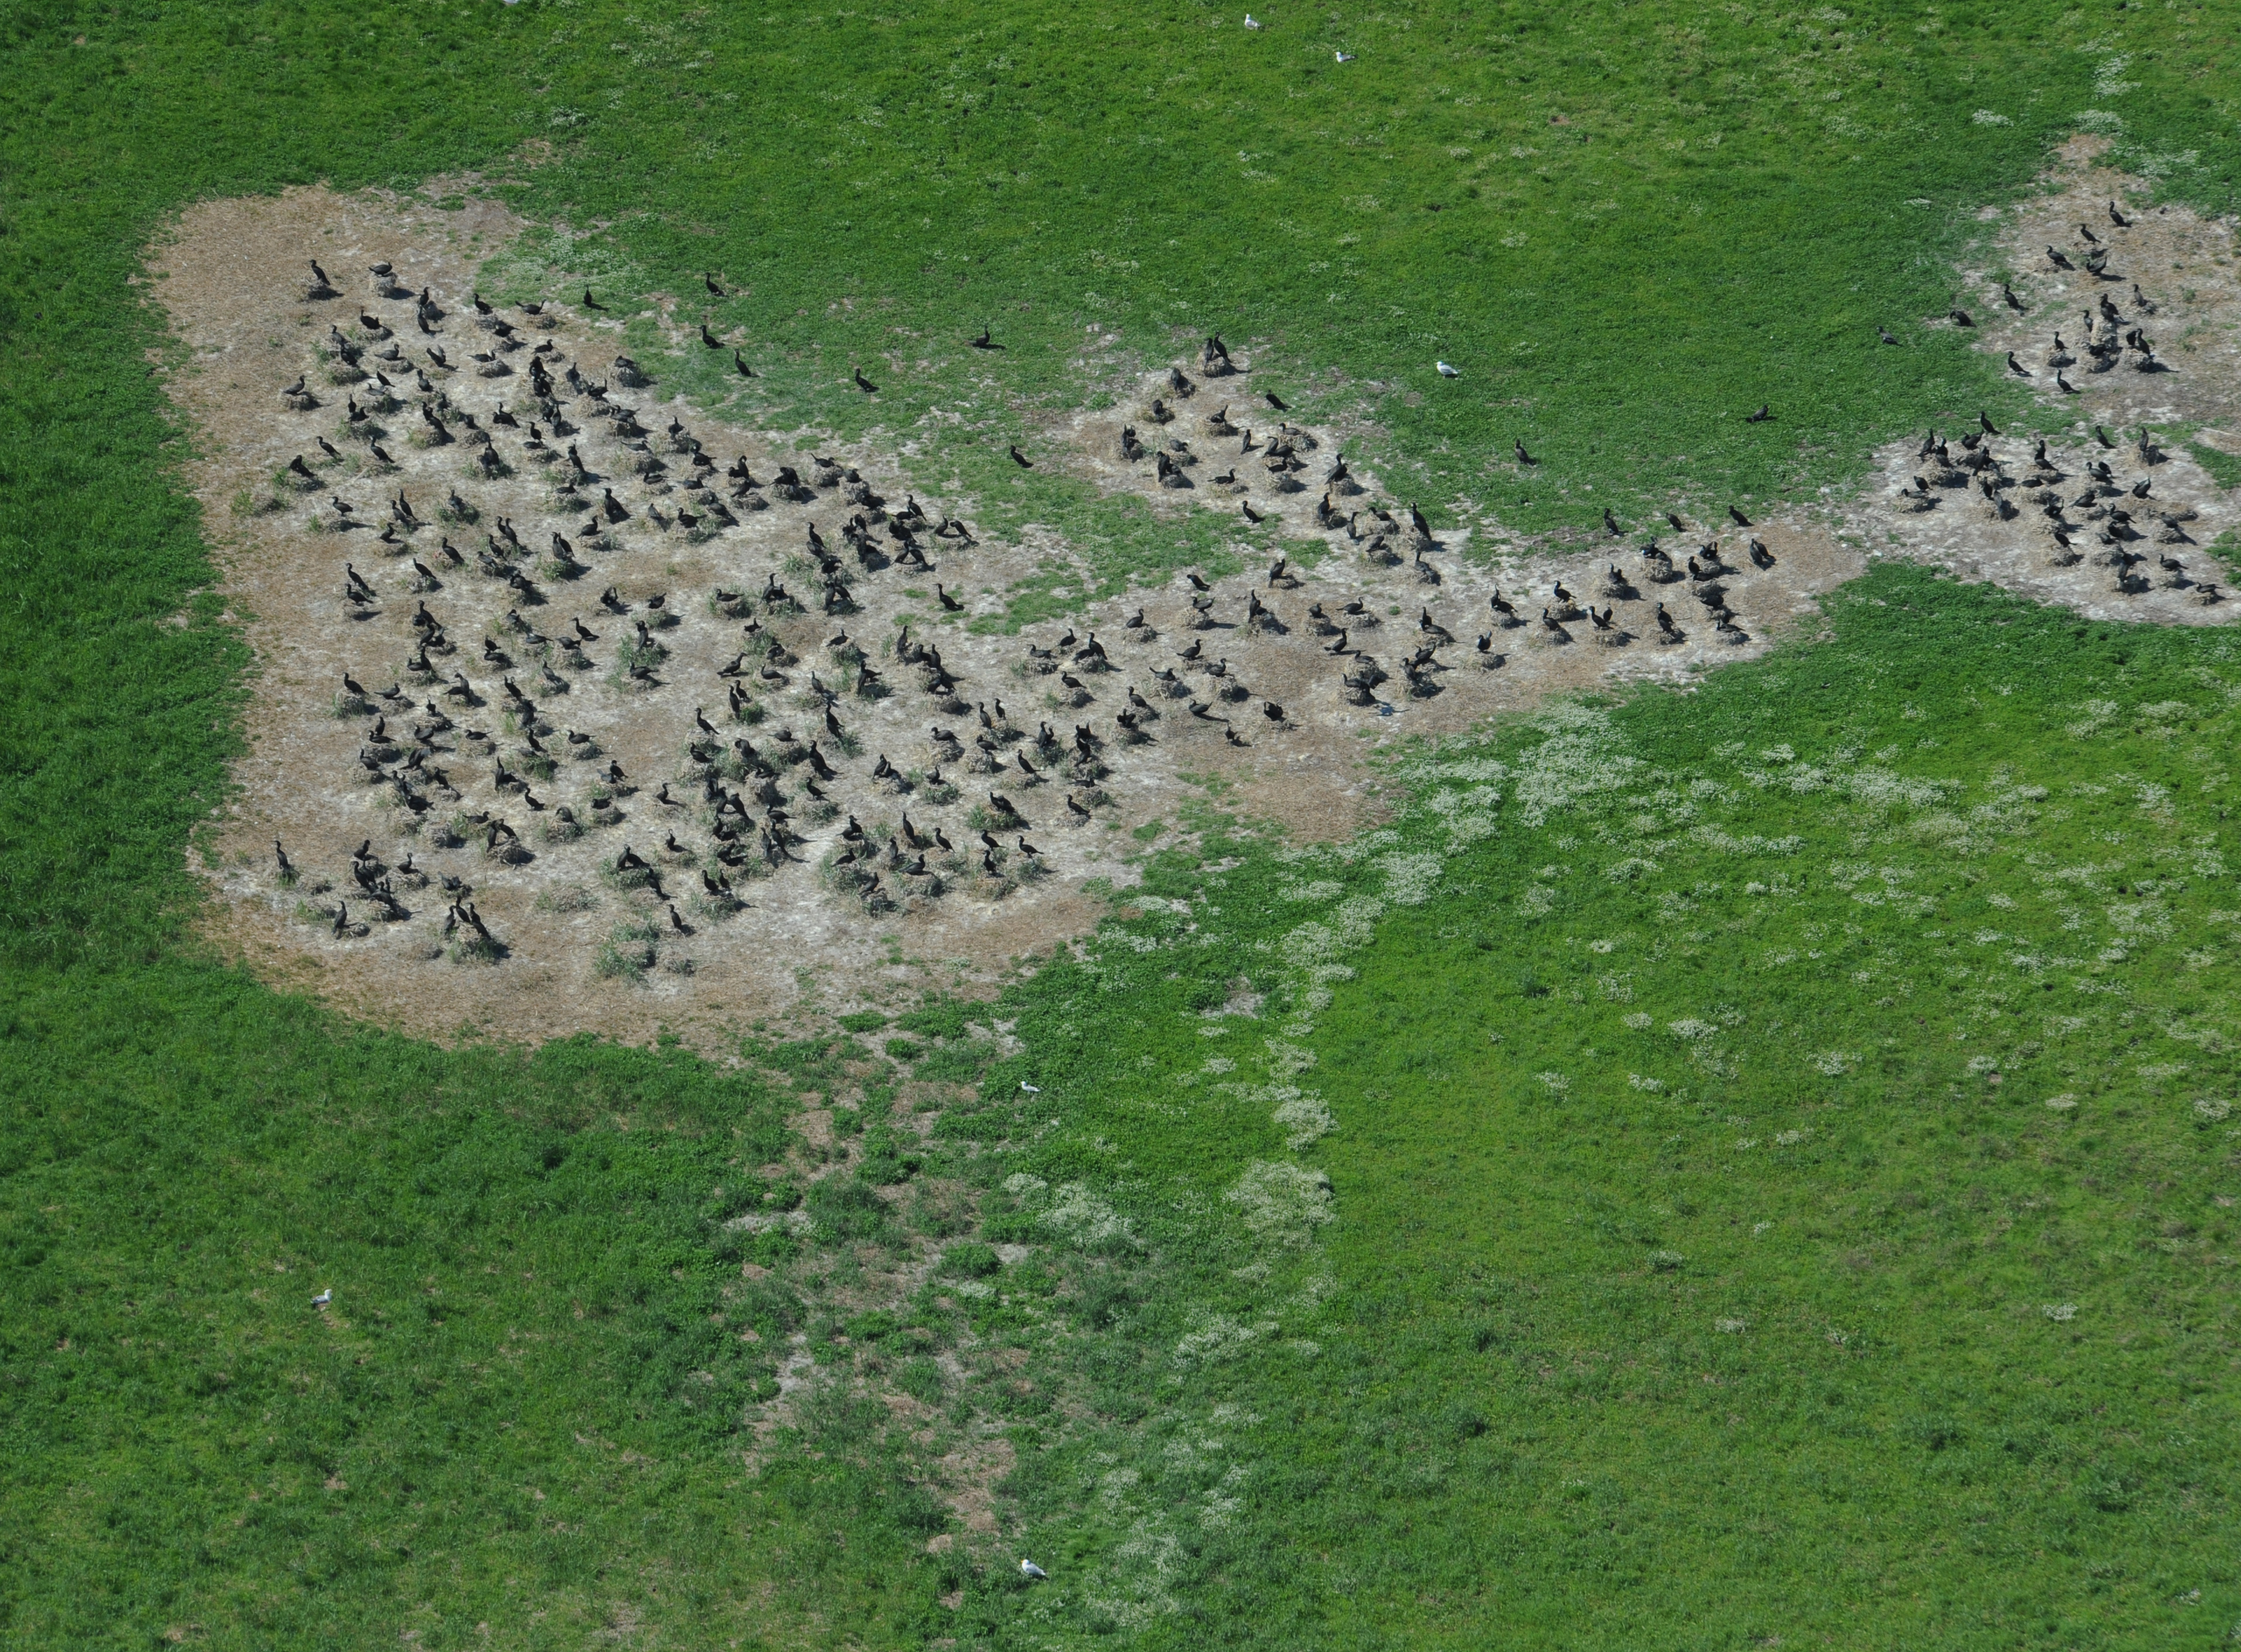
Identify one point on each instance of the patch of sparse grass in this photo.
(714, 908)
(2224, 468)
(631, 948)
(473, 946)
(943, 791)
(571, 898)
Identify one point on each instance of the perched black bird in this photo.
(949, 603)
(1021, 459)
(711, 283)
(2008, 293)
(984, 342)
(1959, 317)
(2060, 262)
(2103, 437)
(864, 383)
(1275, 401)
(1740, 520)
(710, 338)
(1884, 333)
(739, 362)
(1523, 457)
(1984, 419)
(590, 303)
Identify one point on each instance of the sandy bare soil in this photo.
(431, 778)
(2168, 278)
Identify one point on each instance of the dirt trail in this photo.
(1280, 723)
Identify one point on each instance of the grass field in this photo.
(1751, 1164)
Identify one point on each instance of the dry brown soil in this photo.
(2183, 266)
(233, 278)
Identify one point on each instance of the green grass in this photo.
(2225, 469)
(1707, 1262)
(1503, 1431)
(524, 1397)
(1490, 1397)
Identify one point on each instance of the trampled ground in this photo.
(1280, 682)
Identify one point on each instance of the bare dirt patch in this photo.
(489, 606)
(2163, 309)
(467, 632)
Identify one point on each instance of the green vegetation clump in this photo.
(630, 950)
(971, 1260)
(2224, 468)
